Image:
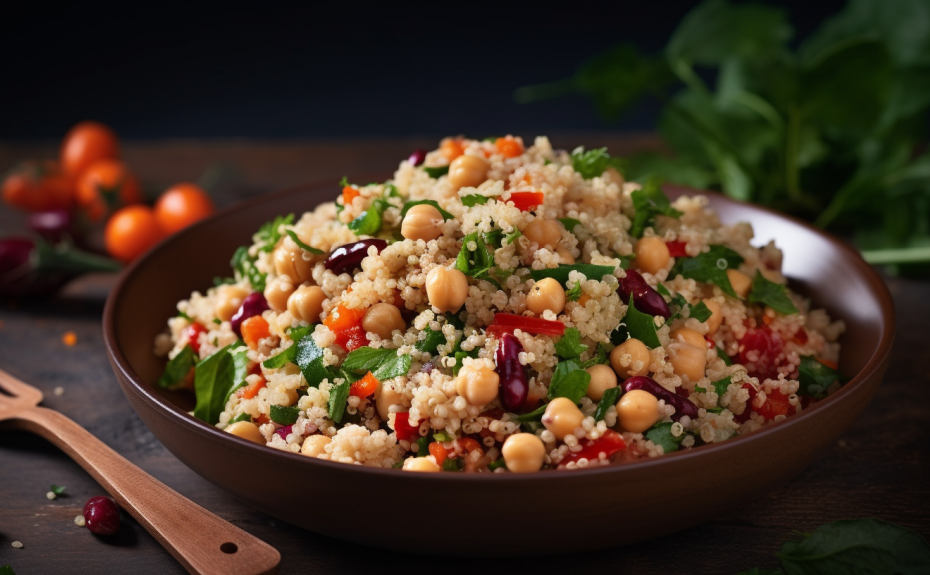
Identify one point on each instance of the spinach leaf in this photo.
(661, 434)
(700, 311)
(214, 377)
(641, 326)
(600, 357)
(290, 354)
(610, 398)
(57, 489)
(814, 377)
(395, 366)
(337, 401)
(710, 267)
(569, 346)
(293, 235)
(560, 274)
(473, 200)
(435, 173)
(365, 359)
(177, 369)
(771, 294)
(432, 340)
(240, 417)
(648, 203)
(570, 223)
(309, 358)
(593, 163)
(369, 222)
(445, 215)
(284, 414)
(619, 335)
(569, 380)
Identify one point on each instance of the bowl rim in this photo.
(199, 428)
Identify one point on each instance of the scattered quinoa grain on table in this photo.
(16, 545)
(59, 391)
(80, 521)
(500, 307)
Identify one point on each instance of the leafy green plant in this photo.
(832, 130)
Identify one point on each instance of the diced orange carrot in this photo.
(451, 148)
(343, 318)
(254, 329)
(364, 387)
(828, 363)
(251, 390)
(438, 451)
(348, 194)
(509, 147)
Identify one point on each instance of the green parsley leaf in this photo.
(269, 234)
(390, 190)
(284, 414)
(512, 237)
(648, 203)
(661, 434)
(214, 378)
(57, 489)
(395, 366)
(717, 409)
(593, 163)
(560, 274)
(569, 380)
(600, 357)
(177, 369)
(710, 267)
(445, 215)
(441, 436)
(244, 267)
(289, 354)
(452, 464)
(436, 173)
(700, 311)
(569, 346)
(431, 341)
(398, 465)
(534, 415)
(184, 315)
(423, 446)
(337, 401)
(368, 222)
(473, 200)
(309, 358)
(570, 223)
(721, 385)
(642, 326)
(217, 321)
(497, 464)
(574, 292)
(293, 235)
(771, 294)
(726, 358)
(610, 398)
(660, 287)
(365, 359)
(344, 182)
(478, 262)
(814, 377)
(240, 417)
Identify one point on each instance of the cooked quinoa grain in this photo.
(368, 331)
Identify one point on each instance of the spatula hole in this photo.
(229, 548)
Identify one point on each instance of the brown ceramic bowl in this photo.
(604, 506)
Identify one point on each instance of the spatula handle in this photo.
(202, 542)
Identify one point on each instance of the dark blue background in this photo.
(321, 70)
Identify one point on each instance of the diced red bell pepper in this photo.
(800, 336)
(769, 345)
(609, 443)
(776, 403)
(403, 429)
(526, 201)
(676, 249)
(508, 323)
(364, 387)
(346, 323)
(193, 332)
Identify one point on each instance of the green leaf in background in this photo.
(710, 267)
(368, 222)
(609, 398)
(177, 369)
(593, 163)
(570, 223)
(649, 202)
(436, 173)
(214, 377)
(445, 215)
(771, 294)
(337, 401)
(284, 414)
(569, 380)
(270, 232)
(641, 326)
(661, 434)
(569, 346)
(814, 377)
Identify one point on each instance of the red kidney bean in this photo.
(284, 432)
(253, 304)
(513, 385)
(683, 406)
(417, 157)
(349, 256)
(744, 417)
(645, 298)
(101, 515)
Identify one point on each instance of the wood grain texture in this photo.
(878, 469)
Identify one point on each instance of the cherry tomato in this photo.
(759, 352)
(131, 231)
(509, 147)
(38, 187)
(181, 205)
(776, 403)
(85, 144)
(105, 186)
(193, 334)
(451, 148)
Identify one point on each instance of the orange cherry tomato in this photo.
(106, 185)
(131, 231)
(254, 330)
(451, 148)
(38, 187)
(181, 205)
(509, 147)
(85, 144)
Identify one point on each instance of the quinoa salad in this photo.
(500, 307)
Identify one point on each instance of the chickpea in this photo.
(687, 360)
(306, 304)
(565, 256)
(651, 254)
(289, 261)
(278, 291)
(446, 289)
(602, 379)
(421, 223)
(468, 171)
(422, 464)
(562, 417)
(478, 385)
(523, 453)
(545, 233)
(637, 410)
(689, 336)
(383, 319)
(315, 445)
(740, 282)
(640, 362)
(612, 176)
(246, 430)
(546, 294)
(716, 316)
(229, 299)
(385, 397)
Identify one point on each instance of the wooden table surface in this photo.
(878, 469)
